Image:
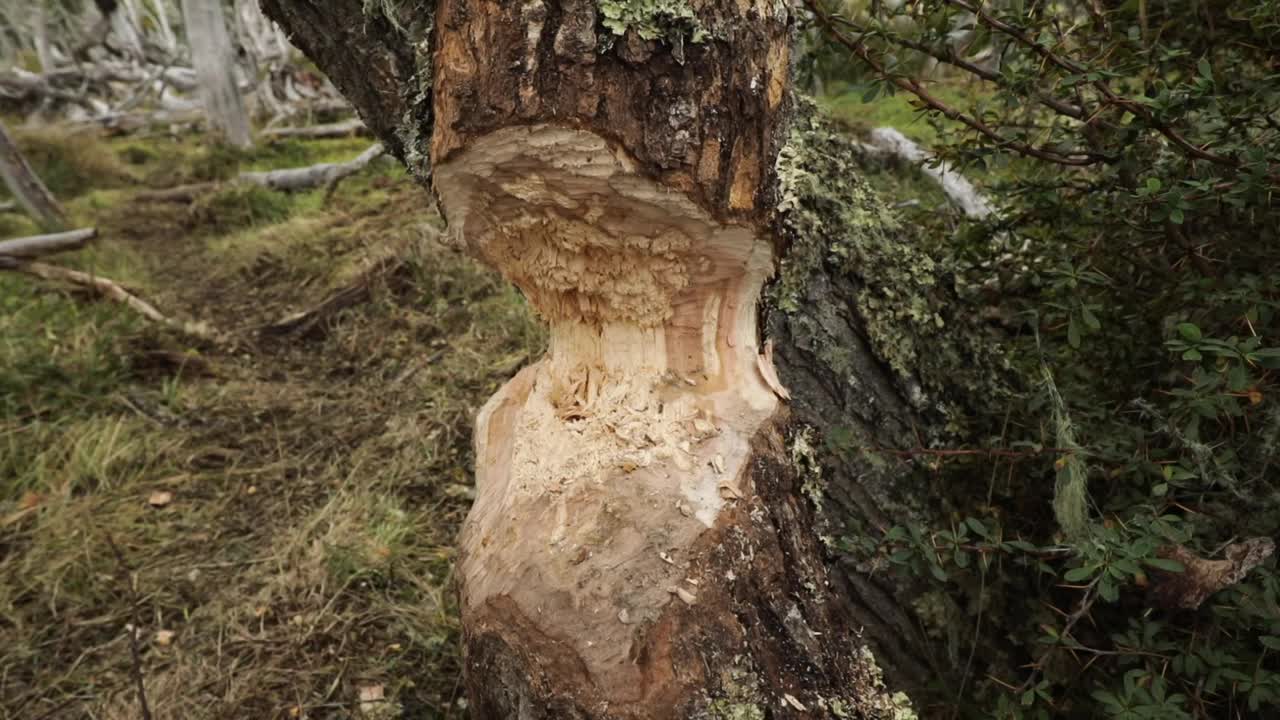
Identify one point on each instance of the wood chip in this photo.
(686, 596)
(717, 462)
(764, 362)
(729, 491)
(793, 702)
(160, 498)
(164, 638)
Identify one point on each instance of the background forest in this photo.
(242, 495)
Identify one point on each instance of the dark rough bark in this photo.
(707, 120)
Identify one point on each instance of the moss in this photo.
(670, 20)
(838, 227)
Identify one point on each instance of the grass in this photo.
(311, 485)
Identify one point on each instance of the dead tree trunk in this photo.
(26, 186)
(652, 497)
(215, 63)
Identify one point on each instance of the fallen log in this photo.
(26, 187)
(328, 130)
(296, 179)
(38, 245)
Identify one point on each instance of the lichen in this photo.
(670, 20)
(740, 697)
(872, 699)
(837, 226)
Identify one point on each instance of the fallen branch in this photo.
(890, 142)
(38, 245)
(288, 180)
(109, 290)
(329, 130)
(355, 292)
(295, 179)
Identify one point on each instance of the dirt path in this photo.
(283, 506)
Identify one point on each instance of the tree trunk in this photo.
(215, 62)
(26, 187)
(652, 497)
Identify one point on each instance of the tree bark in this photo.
(653, 496)
(214, 61)
(26, 186)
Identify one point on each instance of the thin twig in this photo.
(1076, 158)
(134, 628)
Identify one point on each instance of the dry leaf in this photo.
(160, 498)
(30, 499)
(1201, 577)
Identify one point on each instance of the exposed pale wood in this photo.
(354, 126)
(214, 60)
(112, 291)
(39, 245)
(26, 187)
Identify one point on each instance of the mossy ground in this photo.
(316, 481)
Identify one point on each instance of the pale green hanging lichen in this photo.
(670, 20)
(1071, 487)
(837, 225)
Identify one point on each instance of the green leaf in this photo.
(1164, 564)
(1073, 332)
(977, 527)
(1270, 642)
(1176, 217)
(1190, 332)
(1079, 574)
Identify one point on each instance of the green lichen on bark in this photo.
(671, 20)
(837, 226)
(740, 697)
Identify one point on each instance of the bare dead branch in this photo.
(38, 245)
(354, 126)
(295, 179)
(110, 290)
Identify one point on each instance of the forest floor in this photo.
(274, 512)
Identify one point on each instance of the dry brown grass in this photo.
(317, 480)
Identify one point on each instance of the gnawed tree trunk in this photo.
(215, 63)
(26, 187)
(652, 497)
